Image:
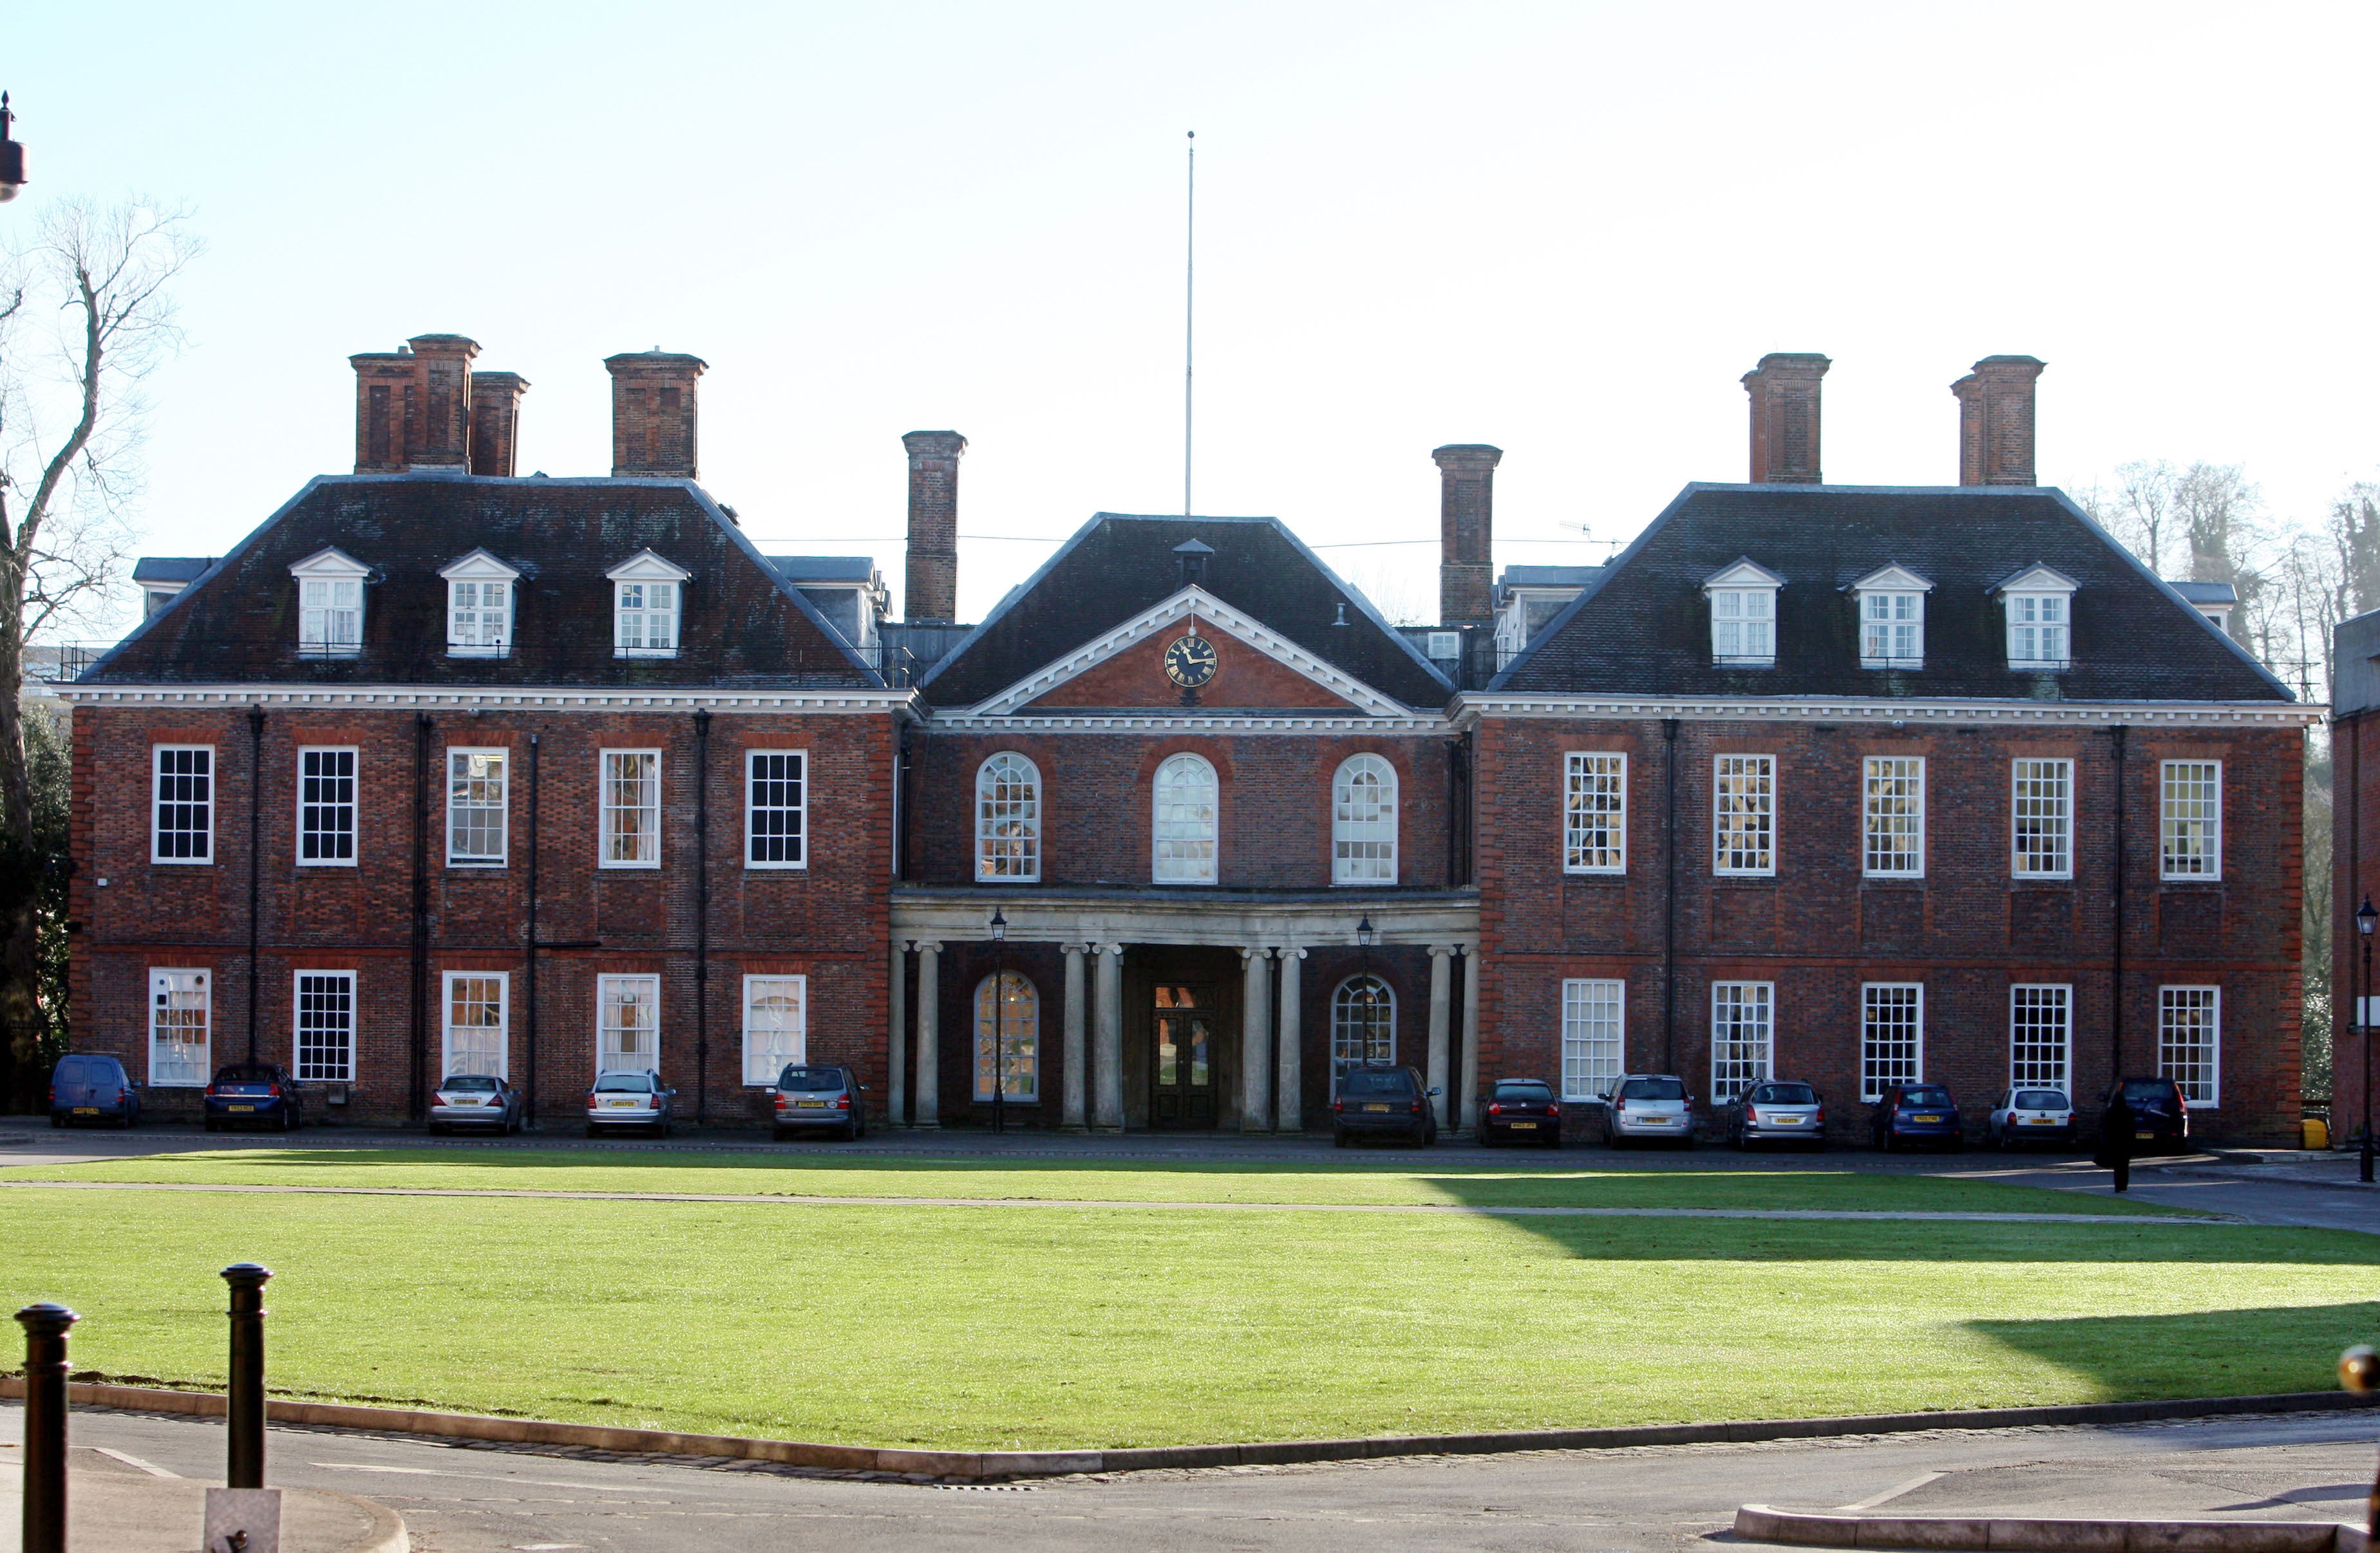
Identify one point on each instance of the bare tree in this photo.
(85, 315)
(2139, 511)
(2354, 534)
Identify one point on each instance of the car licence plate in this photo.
(810, 1105)
(1788, 1121)
(1521, 1126)
(621, 1105)
(1376, 1108)
(86, 1111)
(1926, 1119)
(2144, 1138)
(252, 1108)
(2041, 1122)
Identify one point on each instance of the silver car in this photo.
(475, 1100)
(815, 1098)
(1649, 1106)
(2030, 1116)
(630, 1099)
(1777, 1111)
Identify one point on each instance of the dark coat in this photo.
(2115, 1129)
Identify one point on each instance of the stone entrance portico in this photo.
(1273, 932)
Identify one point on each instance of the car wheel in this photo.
(593, 1131)
(57, 1119)
(1338, 1137)
(1553, 1139)
(213, 1125)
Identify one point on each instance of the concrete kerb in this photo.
(1760, 1523)
(982, 1465)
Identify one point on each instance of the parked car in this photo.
(2028, 1116)
(2159, 1117)
(1649, 1106)
(1777, 1110)
(1376, 1100)
(811, 1099)
(1521, 1111)
(629, 1100)
(90, 1087)
(476, 1100)
(254, 1093)
(1918, 1113)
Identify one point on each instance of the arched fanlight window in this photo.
(1183, 833)
(1008, 1035)
(1364, 822)
(1007, 819)
(1363, 1022)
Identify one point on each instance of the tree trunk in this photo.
(20, 1021)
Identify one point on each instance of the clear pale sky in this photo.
(1566, 229)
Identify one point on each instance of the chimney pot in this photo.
(1466, 531)
(933, 583)
(495, 421)
(653, 420)
(1784, 389)
(1995, 416)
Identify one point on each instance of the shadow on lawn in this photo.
(2276, 1348)
(2010, 1244)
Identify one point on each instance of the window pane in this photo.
(1364, 822)
(775, 788)
(178, 1028)
(1891, 1031)
(1012, 1033)
(2187, 1042)
(1184, 825)
(326, 806)
(1895, 798)
(1740, 1036)
(2192, 819)
(474, 806)
(184, 827)
(475, 1025)
(632, 807)
(326, 1025)
(1363, 1022)
(1596, 814)
(1591, 1036)
(1745, 803)
(1008, 819)
(2038, 1030)
(628, 1024)
(2044, 818)
(774, 1030)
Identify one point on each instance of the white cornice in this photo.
(1209, 610)
(1475, 705)
(1167, 721)
(409, 698)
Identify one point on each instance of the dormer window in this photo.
(646, 596)
(1892, 618)
(2039, 603)
(1743, 615)
(478, 606)
(329, 604)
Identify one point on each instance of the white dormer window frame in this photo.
(1891, 618)
(647, 606)
(480, 591)
(2039, 606)
(2217, 615)
(329, 604)
(1743, 615)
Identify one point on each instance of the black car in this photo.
(1372, 1101)
(1922, 1113)
(2160, 1120)
(1521, 1111)
(254, 1094)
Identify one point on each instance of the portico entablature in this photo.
(1445, 918)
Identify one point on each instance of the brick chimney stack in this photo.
(1466, 512)
(933, 588)
(1784, 389)
(1995, 400)
(384, 409)
(413, 406)
(495, 421)
(652, 413)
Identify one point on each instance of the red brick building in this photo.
(446, 768)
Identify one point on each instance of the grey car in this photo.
(814, 1098)
(629, 1100)
(1777, 1111)
(475, 1100)
(1649, 1106)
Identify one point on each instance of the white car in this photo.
(2029, 1116)
(1649, 1106)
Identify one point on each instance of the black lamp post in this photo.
(2365, 919)
(998, 1021)
(1364, 934)
(12, 155)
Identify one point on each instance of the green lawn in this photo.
(998, 1327)
(1524, 1184)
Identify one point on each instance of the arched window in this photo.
(1364, 822)
(1007, 819)
(1363, 1024)
(1008, 1035)
(1182, 834)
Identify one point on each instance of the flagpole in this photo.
(1189, 313)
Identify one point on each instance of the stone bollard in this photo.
(2359, 1370)
(246, 1393)
(46, 1426)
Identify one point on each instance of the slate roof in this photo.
(741, 625)
(825, 568)
(1546, 577)
(2206, 592)
(171, 568)
(1642, 626)
(1119, 564)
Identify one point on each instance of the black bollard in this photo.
(246, 1393)
(46, 1426)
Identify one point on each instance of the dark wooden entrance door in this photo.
(1182, 1068)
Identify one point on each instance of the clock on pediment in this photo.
(1190, 661)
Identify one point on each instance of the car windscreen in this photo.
(1392, 1081)
(468, 1083)
(1653, 1089)
(2040, 1099)
(815, 1079)
(1525, 1094)
(1784, 1094)
(624, 1084)
(2148, 1091)
(1926, 1095)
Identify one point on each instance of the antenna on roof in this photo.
(1189, 311)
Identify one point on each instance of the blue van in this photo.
(89, 1087)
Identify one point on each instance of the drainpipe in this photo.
(528, 956)
(702, 912)
(255, 855)
(901, 808)
(1668, 900)
(420, 966)
(2115, 999)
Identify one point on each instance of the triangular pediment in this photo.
(2037, 578)
(1892, 578)
(1256, 668)
(1743, 573)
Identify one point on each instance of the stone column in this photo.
(1471, 1041)
(896, 1065)
(1438, 954)
(1255, 1042)
(1070, 1116)
(930, 1032)
(1107, 1039)
(1292, 1071)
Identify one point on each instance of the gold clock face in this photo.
(1190, 661)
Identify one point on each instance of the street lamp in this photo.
(2365, 919)
(1364, 935)
(12, 155)
(998, 1021)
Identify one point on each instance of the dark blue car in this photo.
(90, 1087)
(254, 1094)
(1917, 1113)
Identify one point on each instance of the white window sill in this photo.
(1743, 873)
(1185, 883)
(644, 652)
(2039, 665)
(182, 862)
(653, 867)
(2065, 878)
(326, 862)
(1007, 878)
(457, 650)
(775, 867)
(1607, 873)
(1903, 877)
(2189, 879)
(318, 649)
(1767, 662)
(1892, 662)
(477, 863)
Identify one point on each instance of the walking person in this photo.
(2115, 1129)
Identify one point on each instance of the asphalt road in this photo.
(1655, 1500)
